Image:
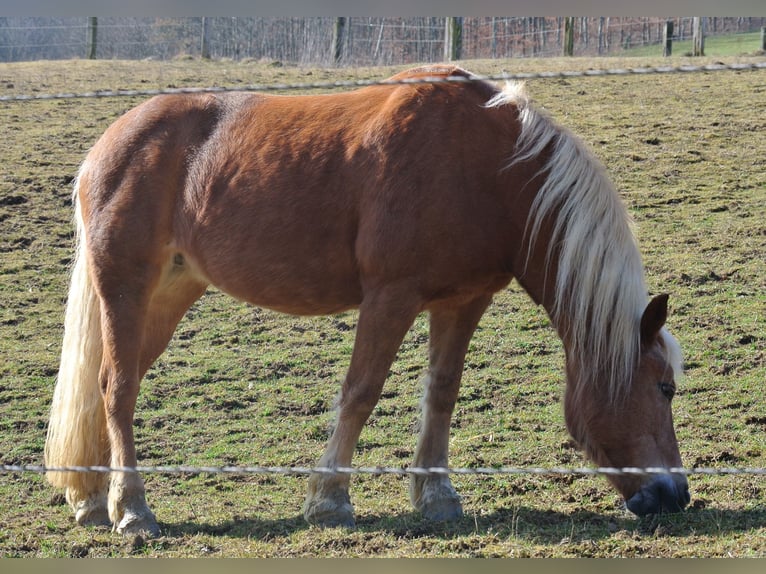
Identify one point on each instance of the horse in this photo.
(426, 193)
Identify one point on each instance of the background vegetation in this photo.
(242, 386)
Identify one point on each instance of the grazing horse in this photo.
(394, 199)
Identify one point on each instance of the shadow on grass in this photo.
(540, 526)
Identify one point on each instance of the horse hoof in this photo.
(329, 513)
(134, 524)
(96, 516)
(343, 517)
(92, 512)
(442, 509)
(437, 502)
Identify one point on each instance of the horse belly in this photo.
(301, 264)
(289, 289)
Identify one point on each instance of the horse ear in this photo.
(653, 319)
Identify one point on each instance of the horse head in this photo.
(636, 430)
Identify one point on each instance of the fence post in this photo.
(568, 36)
(91, 37)
(205, 45)
(667, 39)
(453, 38)
(698, 36)
(601, 35)
(763, 39)
(338, 33)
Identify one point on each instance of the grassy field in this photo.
(715, 46)
(242, 386)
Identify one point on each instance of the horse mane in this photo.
(600, 287)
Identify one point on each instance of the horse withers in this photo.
(394, 199)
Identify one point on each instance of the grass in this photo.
(715, 46)
(240, 385)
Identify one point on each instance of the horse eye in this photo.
(668, 389)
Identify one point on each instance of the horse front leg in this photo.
(384, 318)
(450, 333)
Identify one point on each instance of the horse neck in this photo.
(598, 352)
(535, 263)
(537, 272)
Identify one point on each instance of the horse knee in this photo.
(357, 402)
(440, 391)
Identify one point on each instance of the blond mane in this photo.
(600, 286)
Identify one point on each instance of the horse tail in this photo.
(77, 428)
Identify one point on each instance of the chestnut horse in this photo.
(393, 199)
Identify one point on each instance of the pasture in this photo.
(241, 386)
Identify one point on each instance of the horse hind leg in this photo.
(450, 333)
(153, 325)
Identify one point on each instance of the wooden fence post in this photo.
(338, 33)
(453, 38)
(568, 36)
(91, 38)
(698, 37)
(601, 35)
(763, 39)
(205, 45)
(667, 39)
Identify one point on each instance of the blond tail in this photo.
(77, 428)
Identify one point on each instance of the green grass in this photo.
(715, 46)
(240, 385)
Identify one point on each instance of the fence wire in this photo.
(383, 470)
(330, 85)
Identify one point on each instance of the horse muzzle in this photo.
(664, 493)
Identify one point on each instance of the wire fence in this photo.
(383, 470)
(387, 470)
(330, 85)
(368, 41)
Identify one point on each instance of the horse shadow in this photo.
(548, 527)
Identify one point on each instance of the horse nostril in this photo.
(662, 494)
